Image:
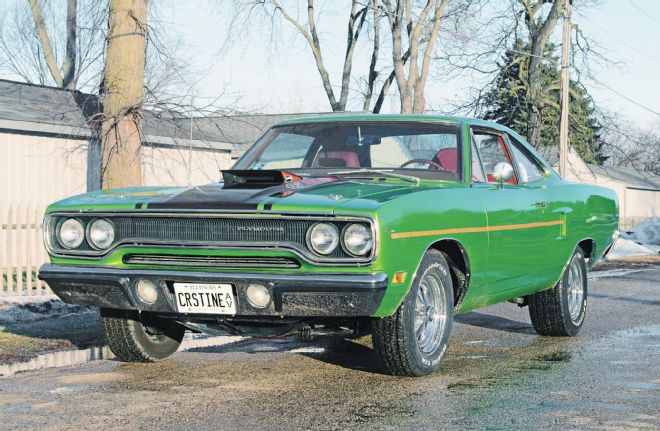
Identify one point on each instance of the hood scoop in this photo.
(256, 179)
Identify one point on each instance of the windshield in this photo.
(418, 149)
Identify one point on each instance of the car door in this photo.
(519, 228)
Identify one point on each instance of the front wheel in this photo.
(136, 338)
(413, 340)
(560, 311)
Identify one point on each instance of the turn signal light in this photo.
(399, 277)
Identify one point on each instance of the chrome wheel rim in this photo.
(575, 288)
(430, 313)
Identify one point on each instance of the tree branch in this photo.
(47, 49)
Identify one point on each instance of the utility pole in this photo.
(565, 84)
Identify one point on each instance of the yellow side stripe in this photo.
(398, 235)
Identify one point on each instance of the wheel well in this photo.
(588, 246)
(459, 264)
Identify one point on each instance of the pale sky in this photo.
(281, 76)
(256, 74)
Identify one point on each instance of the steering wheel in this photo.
(426, 161)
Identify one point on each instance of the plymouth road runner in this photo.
(355, 224)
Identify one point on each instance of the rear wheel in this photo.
(140, 338)
(560, 311)
(413, 340)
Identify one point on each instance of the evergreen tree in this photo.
(506, 103)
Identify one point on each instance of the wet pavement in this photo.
(30, 330)
(497, 374)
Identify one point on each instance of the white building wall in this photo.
(39, 170)
(169, 166)
(640, 205)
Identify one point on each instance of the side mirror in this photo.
(502, 172)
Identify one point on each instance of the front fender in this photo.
(410, 225)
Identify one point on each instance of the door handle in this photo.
(540, 204)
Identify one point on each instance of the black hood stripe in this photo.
(215, 197)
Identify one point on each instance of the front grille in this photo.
(214, 230)
(212, 261)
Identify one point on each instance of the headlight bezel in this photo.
(346, 248)
(335, 242)
(58, 233)
(89, 235)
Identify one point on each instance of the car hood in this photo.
(318, 195)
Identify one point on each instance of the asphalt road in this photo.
(497, 374)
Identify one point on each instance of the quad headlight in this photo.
(323, 238)
(101, 234)
(70, 233)
(357, 240)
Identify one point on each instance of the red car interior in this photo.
(448, 159)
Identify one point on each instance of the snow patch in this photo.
(594, 275)
(647, 232)
(626, 247)
(646, 236)
(196, 341)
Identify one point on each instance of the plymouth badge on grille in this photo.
(260, 229)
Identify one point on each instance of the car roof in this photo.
(352, 117)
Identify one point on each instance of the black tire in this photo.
(132, 341)
(550, 310)
(395, 339)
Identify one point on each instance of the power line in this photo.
(595, 80)
(623, 42)
(644, 12)
(626, 97)
(599, 82)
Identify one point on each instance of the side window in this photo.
(477, 171)
(528, 170)
(492, 151)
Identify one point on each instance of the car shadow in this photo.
(338, 351)
(347, 353)
(497, 323)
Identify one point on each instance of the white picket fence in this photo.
(21, 251)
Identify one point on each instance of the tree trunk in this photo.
(534, 125)
(539, 33)
(421, 33)
(122, 94)
(69, 66)
(535, 101)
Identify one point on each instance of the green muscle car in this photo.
(355, 224)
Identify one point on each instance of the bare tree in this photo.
(66, 47)
(63, 78)
(422, 28)
(122, 94)
(629, 146)
(308, 28)
(414, 28)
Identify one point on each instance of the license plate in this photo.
(202, 298)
